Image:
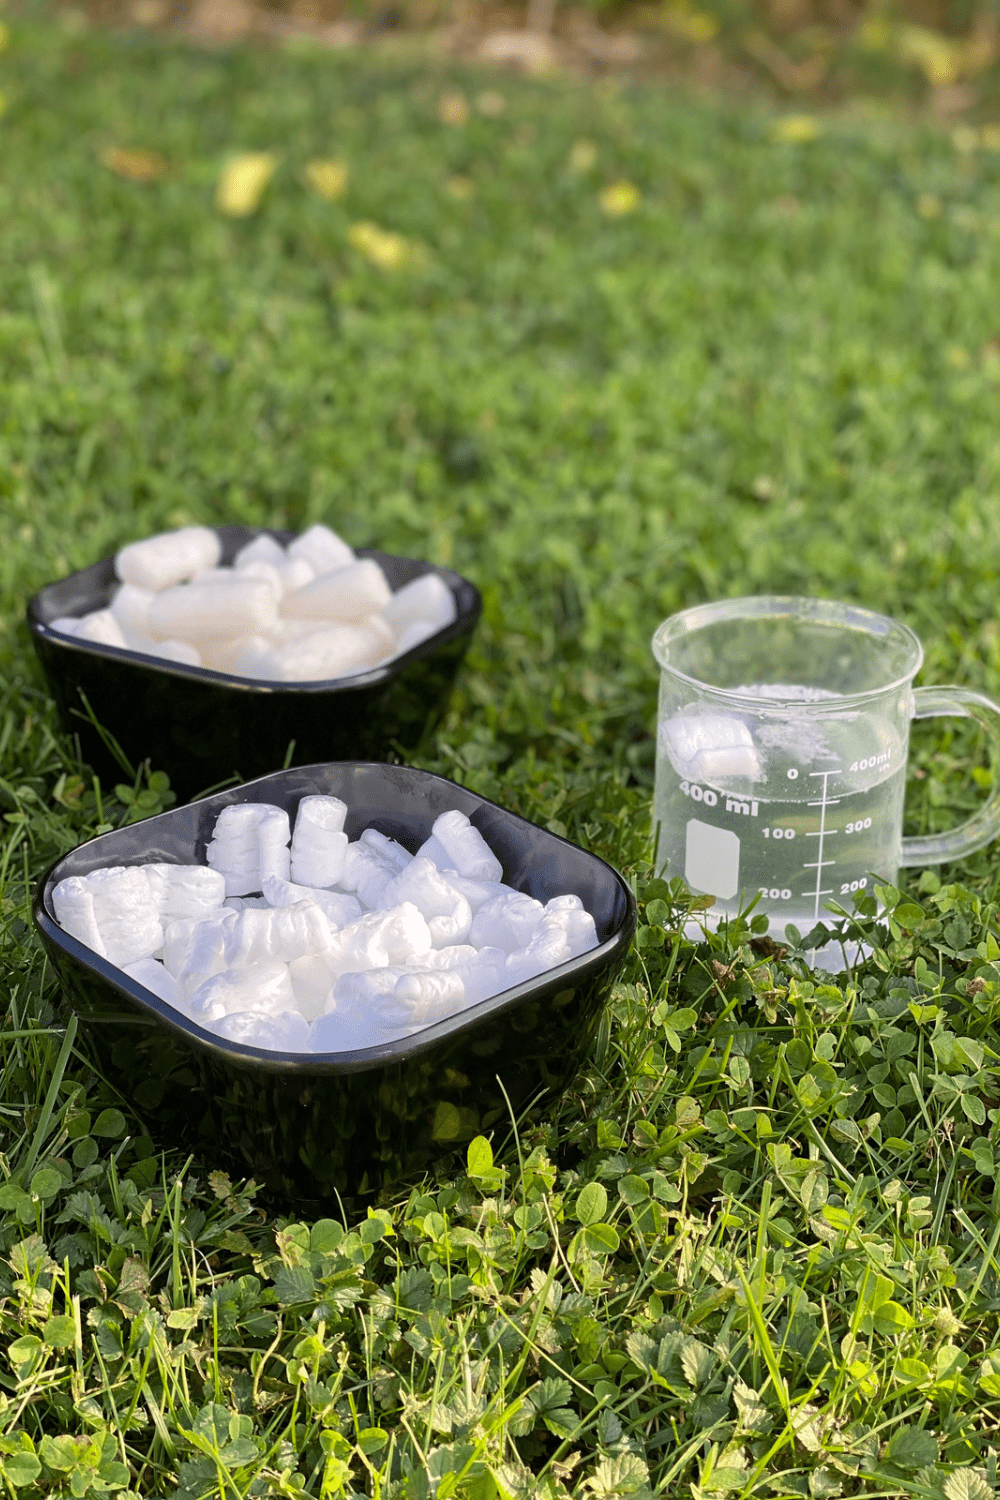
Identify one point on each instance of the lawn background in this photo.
(754, 1251)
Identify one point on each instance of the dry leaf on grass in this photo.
(698, 26)
(243, 181)
(795, 129)
(328, 178)
(532, 51)
(453, 109)
(135, 164)
(388, 251)
(619, 199)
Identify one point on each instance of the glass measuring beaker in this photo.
(781, 747)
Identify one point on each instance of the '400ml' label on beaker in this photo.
(797, 812)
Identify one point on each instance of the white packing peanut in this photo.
(425, 601)
(564, 903)
(266, 573)
(126, 913)
(65, 624)
(437, 993)
(414, 635)
(250, 841)
(347, 1031)
(434, 850)
(548, 948)
(151, 973)
(73, 900)
(367, 872)
(448, 914)
(160, 561)
(379, 939)
(507, 922)
(252, 657)
(430, 991)
(180, 651)
(276, 934)
(319, 842)
(325, 654)
(476, 892)
(260, 986)
(452, 957)
(286, 1032)
(262, 549)
(273, 835)
(295, 574)
(102, 628)
(579, 927)
(194, 948)
(338, 908)
(373, 989)
(469, 852)
(203, 611)
(351, 593)
(217, 654)
(130, 607)
(390, 850)
(185, 890)
(312, 982)
(321, 548)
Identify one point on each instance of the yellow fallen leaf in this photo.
(453, 109)
(795, 129)
(328, 178)
(388, 251)
(242, 183)
(460, 188)
(937, 56)
(619, 198)
(136, 165)
(697, 26)
(875, 34)
(582, 156)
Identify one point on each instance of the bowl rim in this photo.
(303, 1064)
(468, 611)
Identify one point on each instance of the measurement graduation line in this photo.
(820, 861)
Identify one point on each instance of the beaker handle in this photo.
(984, 825)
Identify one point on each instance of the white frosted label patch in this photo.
(712, 859)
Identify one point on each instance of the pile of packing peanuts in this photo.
(307, 612)
(302, 941)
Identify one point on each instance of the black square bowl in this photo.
(203, 727)
(309, 1125)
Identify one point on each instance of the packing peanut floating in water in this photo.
(307, 612)
(306, 942)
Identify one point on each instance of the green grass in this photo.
(754, 1251)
